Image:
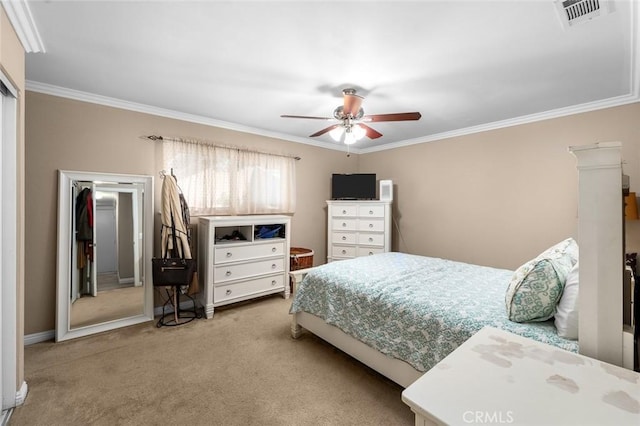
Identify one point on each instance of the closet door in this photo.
(117, 245)
(8, 244)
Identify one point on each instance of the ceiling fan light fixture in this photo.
(336, 134)
(349, 137)
(351, 118)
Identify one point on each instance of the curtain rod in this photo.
(162, 138)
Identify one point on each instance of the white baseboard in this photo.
(44, 336)
(21, 395)
(5, 416)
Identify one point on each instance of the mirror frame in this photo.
(64, 261)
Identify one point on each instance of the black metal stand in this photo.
(178, 316)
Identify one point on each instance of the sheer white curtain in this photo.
(218, 180)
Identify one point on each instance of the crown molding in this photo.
(22, 21)
(192, 118)
(526, 119)
(78, 95)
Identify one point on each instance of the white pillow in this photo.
(566, 316)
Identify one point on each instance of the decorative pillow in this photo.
(568, 247)
(566, 316)
(536, 286)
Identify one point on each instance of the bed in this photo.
(463, 298)
(411, 310)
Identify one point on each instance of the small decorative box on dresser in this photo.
(242, 257)
(358, 228)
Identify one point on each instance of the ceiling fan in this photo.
(352, 119)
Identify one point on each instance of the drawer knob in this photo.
(273, 249)
(273, 282)
(344, 224)
(370, 239)
(228, 273)
(370, 211)
(273, 266)
(228, 292)
(229, 254)
(344, 212)
(370, 253)
(344, 238)
(344, 252)
(371, 225)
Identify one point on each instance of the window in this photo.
(218, 180)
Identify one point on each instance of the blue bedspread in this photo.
(414, 308)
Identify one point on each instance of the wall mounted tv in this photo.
(357, 186)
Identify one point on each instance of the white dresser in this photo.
(497, 377)
(357, 228)
(242, 257)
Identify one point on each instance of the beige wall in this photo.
(74, 135)
(494, 198)
(500, 197)
(13, 66)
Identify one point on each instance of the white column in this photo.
(600, 215)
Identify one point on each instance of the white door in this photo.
(8, 244)
(106, 236)
(2, 283)
(110, 243)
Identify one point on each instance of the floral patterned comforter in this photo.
(414, 308)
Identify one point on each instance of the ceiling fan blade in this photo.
(323, 131)
(371, 133)
(399, 116)
(307, 116)
(352, 104)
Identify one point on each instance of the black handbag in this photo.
(172, 271)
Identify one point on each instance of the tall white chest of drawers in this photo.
(232, 269)
(357, 228)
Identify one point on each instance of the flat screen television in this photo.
(357, 186)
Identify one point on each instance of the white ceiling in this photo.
(465, 65)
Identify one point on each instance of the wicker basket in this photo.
(300, 258)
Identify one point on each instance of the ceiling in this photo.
(466, 66)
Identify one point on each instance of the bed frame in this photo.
(398, 371)
(601, 262)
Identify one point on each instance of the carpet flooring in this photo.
(108, 305)
(240, 368)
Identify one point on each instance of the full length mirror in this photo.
(105, 241)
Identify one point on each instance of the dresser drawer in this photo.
(371, 239)
(343, 237)
(343, 251)
(368, 251)
(254, 251)
(345, 211)
(371, 211)
(230, 272)
(374, 225)
(345, 224)
(247, 288)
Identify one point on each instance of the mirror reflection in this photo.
(104, 248)
(106, 281)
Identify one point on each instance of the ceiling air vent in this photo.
(573, 12)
